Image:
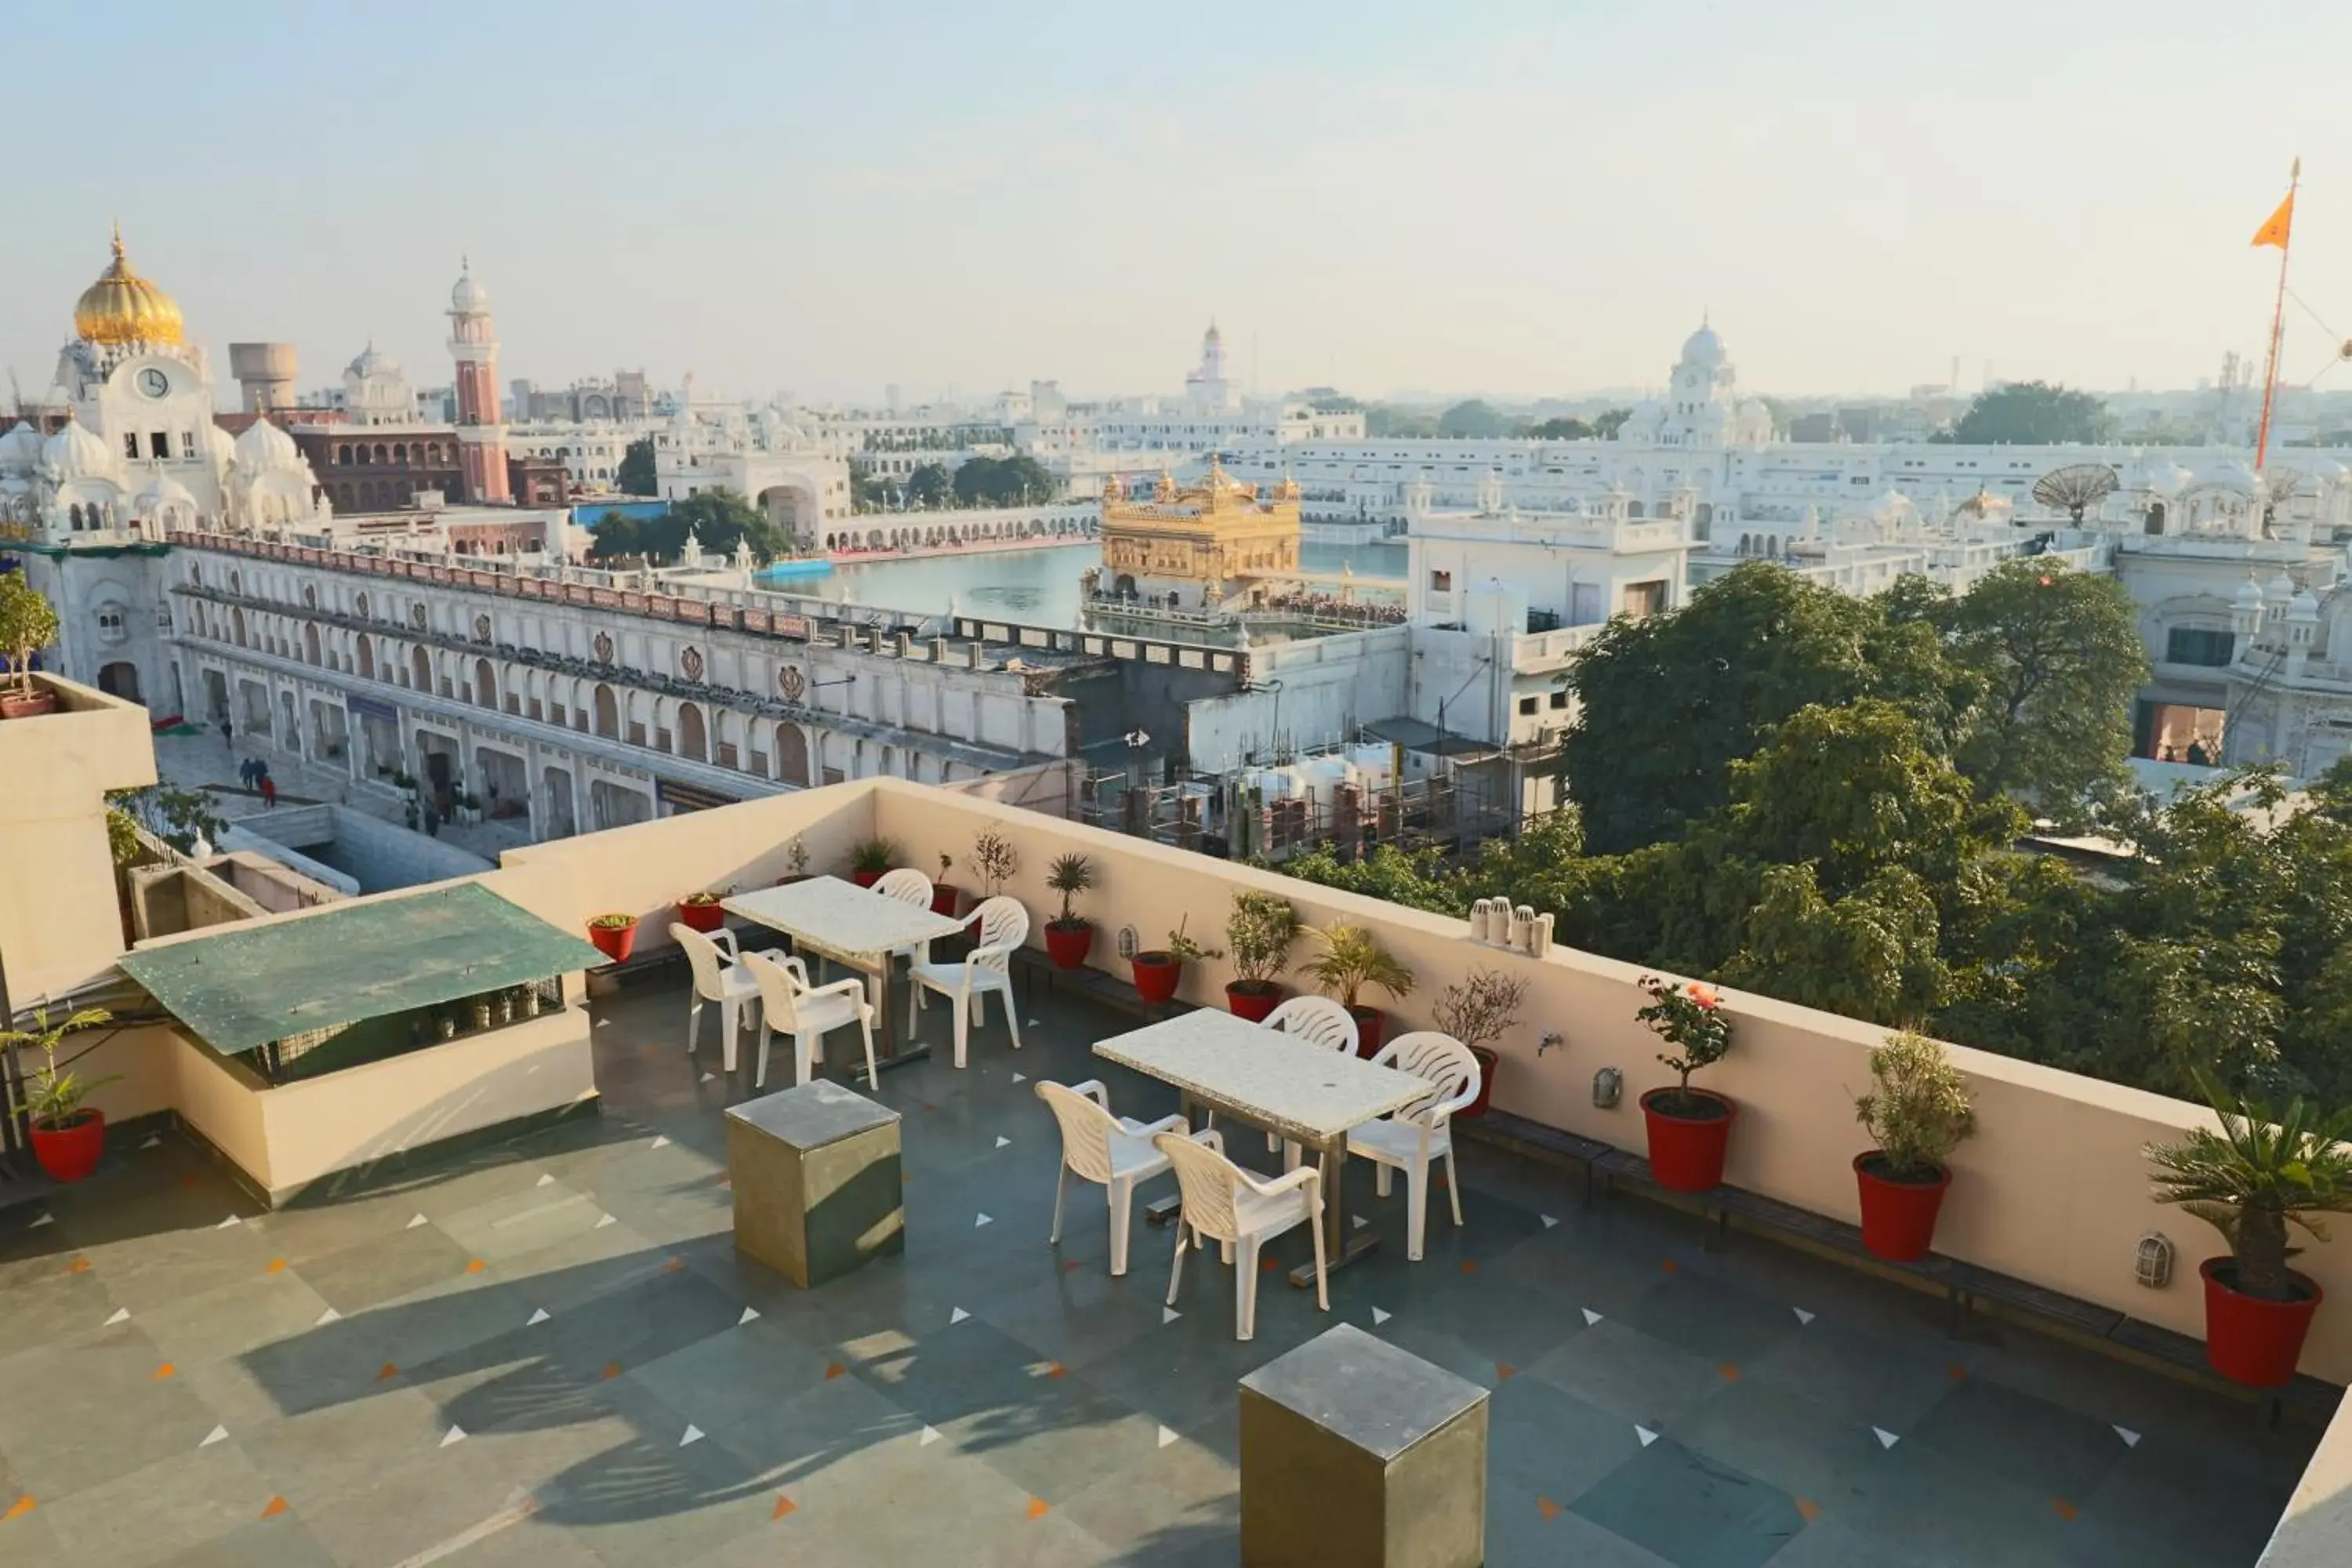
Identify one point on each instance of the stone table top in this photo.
(842, 917)
(1358, 1386)
(812, 1115)
(1305, 1092)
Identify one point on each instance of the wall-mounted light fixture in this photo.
(1129, 945)
(2152, 1264)
(1608, 1088)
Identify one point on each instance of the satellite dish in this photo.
(2075, 488)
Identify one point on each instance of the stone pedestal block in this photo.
(1355, 1454)
(815, 1175)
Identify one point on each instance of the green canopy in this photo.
(249, 986)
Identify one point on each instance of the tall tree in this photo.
(928, 486)
(1563, 429)
(1475, 418)
(720, 519)
(635, 476)
(2033, 414)
(1608, 421)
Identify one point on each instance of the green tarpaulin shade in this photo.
(249, 986)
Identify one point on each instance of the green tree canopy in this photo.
(1404, 423)
(928, 486)
(635, 476)
(719, 517)
(1608, 421)
(1561, 430)
(2033, 414)
(1020, 480)
(1475, 418)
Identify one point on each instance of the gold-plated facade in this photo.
(123, 308)
(1212, 535)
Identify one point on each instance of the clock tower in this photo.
(481, 432)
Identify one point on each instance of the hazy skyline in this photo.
(1517, 198)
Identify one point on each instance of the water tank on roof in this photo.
(1375, 763)
(1324, 777)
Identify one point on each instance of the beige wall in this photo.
(2054, 1189)
(2317, 1530)
(60, 923)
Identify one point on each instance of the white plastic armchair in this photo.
(1410, 1138)
(906, 885)
(790, 1004)
(1314, 1021)
(1004, 926)
(1113, 1152)
(719, 976)
(1240, 1212)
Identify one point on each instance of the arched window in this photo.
(75, 513)
(792, 754)
(420, 670)
(382, 453)
(344, 496)
(608, 714)
(367, 658)
(691, 741)
(310, 643)
(486, 684)
(237, 626)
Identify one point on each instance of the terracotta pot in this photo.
(615, 943)
(1488, 1062)
(866, 879)
(1252, 999)
(1898, 1218)
(1069, 941)
(1156, 976)
(700, 917)
(1370, 1024)
(1686, 1150)
(70, 1152)
(2247, 1339)
(944, 896)
(15, 705)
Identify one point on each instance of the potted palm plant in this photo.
(1260, 931)
(1160, 970)
(1353, 959)
(1475, 1011)
(700, 911)
(1917, 1112)
(1069, 935)
(871, 858)
(1689, 1129)
(68, 1135)
(945, 895)
(616, 935)
(2263, 1171)
(28, 623)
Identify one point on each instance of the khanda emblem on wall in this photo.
(791, 682)
(690, 664)
(604, 646)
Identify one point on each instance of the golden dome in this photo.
(123, 308)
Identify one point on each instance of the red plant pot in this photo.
(700, 917)
(1686, 1150)
(866, 879)
(70, 1152)
(943, 899)
(1898, 1218)
(1370, 1024)
(1252, 999)
(1156, 976)
(615, 943)
(1067, 945)
(1488, 1062)
(2247, 1339)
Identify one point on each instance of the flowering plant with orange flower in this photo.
(1689, 1016)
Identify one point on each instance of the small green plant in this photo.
(1917, 1111)
(2264, 1170)
(28, 623)
(797, 856)
(1069, 876)
(1690, 1018)
(613, 922)
(1261, 929)
(1352, 959)
(1480, 1007)
(947, 865)
(180, 818)
(1182, 949)
(700, 900)
(54, 1096)
(994, 858)
(875, 855)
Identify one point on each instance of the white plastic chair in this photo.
(1314, 1021)
(1240, 1212)
(1113, 1152)
(1003, 927)
(906, 885)
(719, 976)
(1410, 1138)
(790, 1004)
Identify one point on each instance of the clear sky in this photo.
(1522, 199)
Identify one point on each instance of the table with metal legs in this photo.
(856, 928)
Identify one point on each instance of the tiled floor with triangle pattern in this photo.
(548, 1353)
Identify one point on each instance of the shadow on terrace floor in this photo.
(547, 1353)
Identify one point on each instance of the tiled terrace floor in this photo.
(548, 1355)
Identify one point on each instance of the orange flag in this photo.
(2273, 232)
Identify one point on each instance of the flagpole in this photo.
(2278, 329)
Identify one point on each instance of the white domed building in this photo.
(1702, 406)
(376, 391)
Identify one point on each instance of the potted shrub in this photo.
(700, 911)
(68, 1136)
(1352, 959)
(945, 895)
(992, 861)
(2262, 1172)
(1159, 971)
(870, 858)
(1069, 935)
(615, 936)
(1690, 1129)
(1259, 931)
(28, 623)
(796, 856)
(1918, 1112)
(1476, 1012)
